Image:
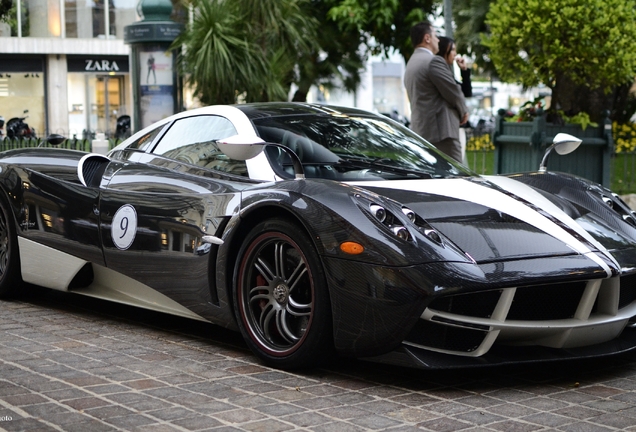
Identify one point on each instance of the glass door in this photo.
(109, 101)
(95, 104)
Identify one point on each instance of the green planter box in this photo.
(519, 147)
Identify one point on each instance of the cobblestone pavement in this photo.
(69, 363)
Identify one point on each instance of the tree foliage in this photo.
(336, 59)
(383, 25)
(244, 49)
(5, 8)
(255, 49)
(575, 48)
(351, 30)
(470, 23)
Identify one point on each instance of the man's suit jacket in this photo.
(437, 102)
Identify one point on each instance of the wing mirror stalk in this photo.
(563, 144)
(243, 147)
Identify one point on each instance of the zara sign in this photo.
(97, 64)
(101, 65)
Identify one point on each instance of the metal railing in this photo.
(479, 150)
(623, 172)
(81, 144)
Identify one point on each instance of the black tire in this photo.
(10, 277)
(281, 298)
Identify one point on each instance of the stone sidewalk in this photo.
(69, 363)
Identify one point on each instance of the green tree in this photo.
(383, 25)
(255, 49)
(5, 8)
(351, 30)
(470, 22)
(9, 15)
(580, 50)
(336, 59)
(244, 49)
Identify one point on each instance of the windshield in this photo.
(353, 148)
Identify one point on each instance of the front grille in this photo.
(539, 315)
(480, 305)
(450, 338)
(546, 302)
(627, 291)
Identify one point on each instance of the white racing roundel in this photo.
(124, 227)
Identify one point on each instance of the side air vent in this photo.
(83, 278)
(91, 168)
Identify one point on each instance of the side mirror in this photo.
(563, 144)
(243, 147)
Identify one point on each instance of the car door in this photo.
(154, 213)
(58, 210)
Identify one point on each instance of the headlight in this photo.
(378, 211)
(389, 220)
(401, 232)
(400, 225)
(616, 203)
(410, 214)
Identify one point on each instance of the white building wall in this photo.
(57, 93)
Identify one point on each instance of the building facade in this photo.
(65, 62)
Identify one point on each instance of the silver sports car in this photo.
(321, 231)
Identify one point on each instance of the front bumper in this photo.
(472, 313)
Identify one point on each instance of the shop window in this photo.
(20, 91)
(95, 103)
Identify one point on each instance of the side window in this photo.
(143, 142)
(192, 140)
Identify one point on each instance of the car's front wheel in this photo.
(10, 278)
(281, 298)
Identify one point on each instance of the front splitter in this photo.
(499, 355)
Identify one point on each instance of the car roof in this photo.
(276, 109)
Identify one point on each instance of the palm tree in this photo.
(244, 49)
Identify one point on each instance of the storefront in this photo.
(22, 87)
(98, 94)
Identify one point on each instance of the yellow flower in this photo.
(624, 137)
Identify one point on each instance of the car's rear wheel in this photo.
(10, 278)
(281, 298)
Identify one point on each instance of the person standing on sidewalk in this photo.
(437, 103)
(448, 50)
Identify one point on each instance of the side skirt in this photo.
(50, 268)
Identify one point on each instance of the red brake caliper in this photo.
(260, 281)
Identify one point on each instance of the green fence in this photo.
(71, 144)
(520, 146)
(622, 168)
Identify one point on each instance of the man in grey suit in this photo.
(438, 106)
